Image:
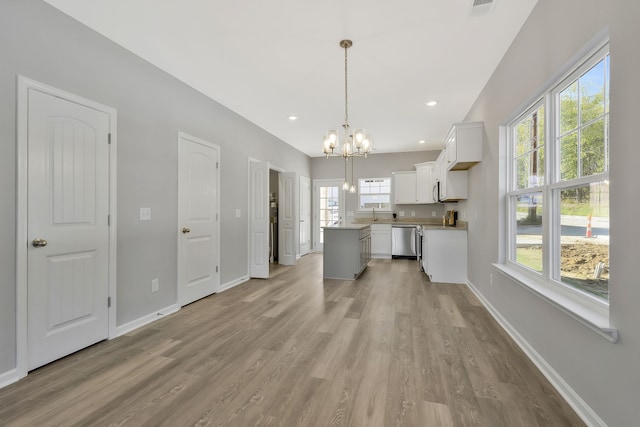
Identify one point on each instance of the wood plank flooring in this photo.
(390, 349)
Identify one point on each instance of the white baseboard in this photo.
(145, 320)
(583, 410)
(235, 282)
(9, 377)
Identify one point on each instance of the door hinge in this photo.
(108, 138)
(108, 220)
(108, 302)
(216, 165)
(216, 268)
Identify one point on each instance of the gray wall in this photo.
(41, 43)
(377, 166)
(605, 375)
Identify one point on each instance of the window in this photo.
(558, 184)
(374, 193)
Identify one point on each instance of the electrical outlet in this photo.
(145, 214)
(491, 279)
(155, 285)
(413, 213)
(433, 213)
(401, 213)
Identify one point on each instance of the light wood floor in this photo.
(389, 349)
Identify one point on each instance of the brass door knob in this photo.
(39, 243)
(186, 230)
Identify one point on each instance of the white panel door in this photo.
(259, 219)
(288, 218)
(305, 215)
(68, 207)
(198, 226)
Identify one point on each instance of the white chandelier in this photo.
(356, 144)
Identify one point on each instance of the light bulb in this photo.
(345, 186)
(352, 189)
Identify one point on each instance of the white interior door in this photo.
(67, 227)
(288, 228)
(198, 223)
(259, 219)
(328, 205)
(305, 215)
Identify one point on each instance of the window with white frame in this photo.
(374, 193)
(558, 183)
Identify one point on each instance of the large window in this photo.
(558, 183)
(374, 193)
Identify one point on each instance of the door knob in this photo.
(186, 230)
(39, 243)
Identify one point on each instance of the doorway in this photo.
(328, 205)
(273, 215)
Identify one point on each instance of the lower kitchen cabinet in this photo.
(381, 241)
(444, 255)
(347, 251)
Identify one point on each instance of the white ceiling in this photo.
(268, 60)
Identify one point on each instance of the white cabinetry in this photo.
(381, 241)
(424, 182)
(452, 184)
(444, 255)
(404, 187)
(464, 145)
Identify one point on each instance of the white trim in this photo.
(9, 377)
(24, 85)
(186, 136)
(145, 320)
(233, 283)
(561, 297)
(316, 247)
(547, 284)
(581, 407)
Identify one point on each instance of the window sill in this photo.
(592, 319)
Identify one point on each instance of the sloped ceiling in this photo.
(268, 60)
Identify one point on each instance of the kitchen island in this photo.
(347, 250)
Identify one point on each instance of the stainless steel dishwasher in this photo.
(403, 241)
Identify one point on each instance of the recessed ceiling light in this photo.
(422, 141)
(431, 103)
(293, 118)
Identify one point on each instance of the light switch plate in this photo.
(401, 213)
(145, 214)
(238, 213)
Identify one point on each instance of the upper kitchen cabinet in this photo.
(464, 145)
(424, 182)
(404, 188)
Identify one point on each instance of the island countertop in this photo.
(347, 226)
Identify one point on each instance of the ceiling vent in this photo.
(481, 7)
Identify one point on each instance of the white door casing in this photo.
(65, 246)
(288, 227)
(328, 202)
(258, 219)
(305, 215)
(198, 219)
